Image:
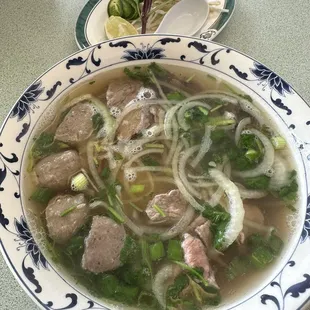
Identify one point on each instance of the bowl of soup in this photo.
(157, 172)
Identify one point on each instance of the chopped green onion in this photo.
(111, 202)
(137, 188)
(67, 211)
(216, 108)
(190, 78)
(116, 215)
(175, 251)
(105, 173)
(157, 251)
(203, 110)
(220, 121)
(251, 155)
(135, 207)
(278, 142)
(238, 266)
(159, 210)
(154, 146)
(79, 182)
(42, 195)
(119, 199)
(261, 257)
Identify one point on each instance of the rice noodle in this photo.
(148, 168)
(258, 227)
(182, 168)
(175, 88)
(241, 126)
(174, 142)
(187, 196)
(187, 106)
(155, 81)
(141, 154)
(164, 180)
(91, 165)
(204, 184)
(181, 226)
(205, 147)
(170, 121)
(235, 206)
(267, 161)
(250, 193)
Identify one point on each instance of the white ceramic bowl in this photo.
(284, 286)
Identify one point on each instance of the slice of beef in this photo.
(205, 235)
(120, 92)
(195, 256)
(55, 170)
(172, 204)
(77, 126)
(134, 122)
(61, 228)
(103, 245)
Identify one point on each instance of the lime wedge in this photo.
(116, 27)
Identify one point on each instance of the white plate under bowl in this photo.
(285, 286)
(89, 29)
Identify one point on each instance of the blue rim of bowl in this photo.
(6, 256)
(82, 40)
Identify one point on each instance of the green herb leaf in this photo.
(260, 182)
(138, 73)
(149, 161)
(130, 250)
(98, 122)
(42, 195)
(175, 96)
(67, 211)
(289, 192)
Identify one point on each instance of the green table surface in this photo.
(35, 34)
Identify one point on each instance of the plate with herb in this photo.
(100, 20)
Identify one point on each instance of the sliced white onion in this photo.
(182, 170)
(187, 106)
(161, 282)
(187, 196)
(235, 206)
(170, 121)
(267, 161)
(241, 126)
(205, 147)
(280, 176)
(180, 226)
(250, 193)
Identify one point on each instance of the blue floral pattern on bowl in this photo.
(35, 270)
